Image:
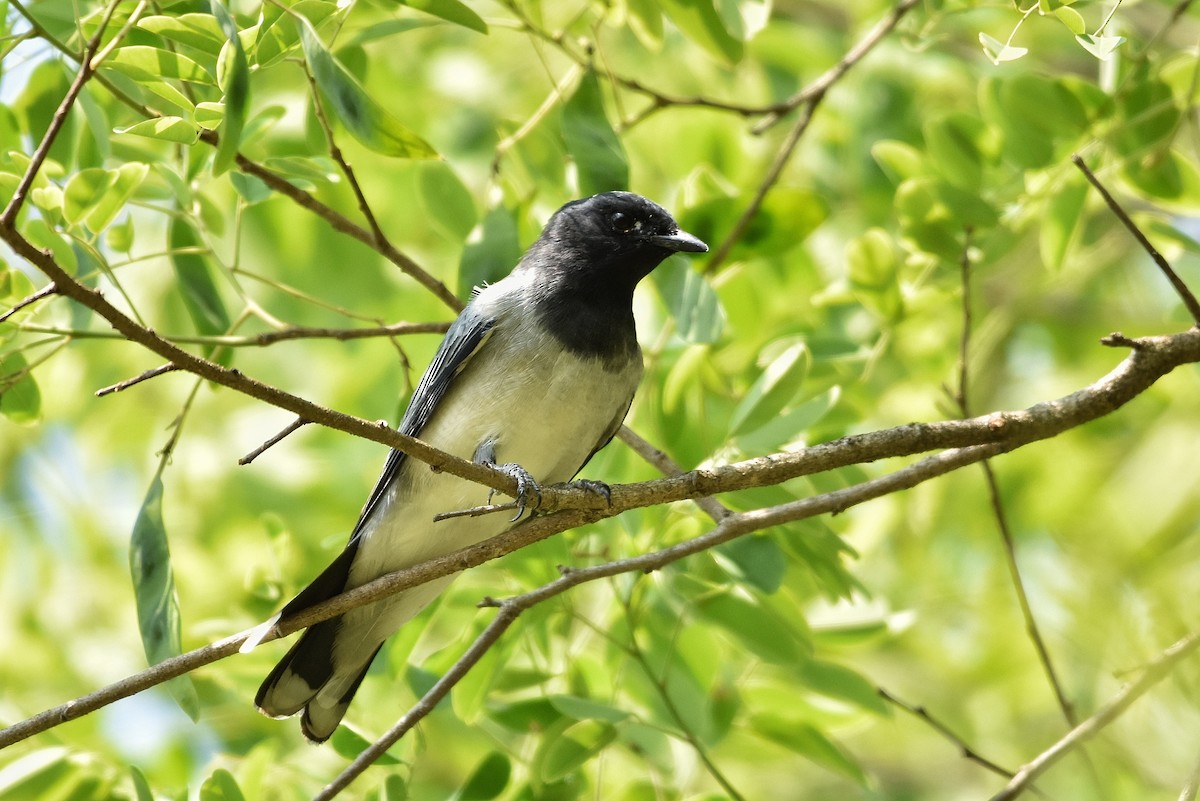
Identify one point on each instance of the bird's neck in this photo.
(592, 319)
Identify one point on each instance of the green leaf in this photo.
(779, 382)
(764, 633)
(252, 189)
(451, 11)
(955, 147)
(448, 204)
(201, 31)
(529, 715)
(591, 142)
(367, 121)
(586, 709)
(234, 78)
(699, 21)
(314, 169)
(349, 743)
(394, 789)
(1064, 211)
(488, 780)
(20, 399)
(998, 51)
(690, 299)
(1072, 19)
(645, 18)
(568, 751)
(36, 774)
(806, 740)
(872, 265)
(469, 695)
(200, 295)
(141, 787)
(208, 115)
(1149, 117)
(85, 189)
(154, 592)
(49, 199)
(221, 786)
(382, 30)
(836, 681)
(126, 180)
(758, 560)
(151, 64)
(168, 129)
(14, 284)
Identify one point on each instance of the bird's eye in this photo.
(622, 222)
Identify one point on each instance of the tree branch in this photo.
(1151, 675)
(976, 439)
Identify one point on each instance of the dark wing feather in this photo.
(463, 339)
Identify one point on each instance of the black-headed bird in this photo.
(534, 376)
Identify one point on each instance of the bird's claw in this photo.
(594, 487)
(527, 488)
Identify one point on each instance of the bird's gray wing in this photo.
(465, 337)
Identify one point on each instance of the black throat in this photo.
(591, 318)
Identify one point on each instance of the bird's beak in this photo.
(680, 241)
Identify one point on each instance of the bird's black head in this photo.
(590, 256)
(613, 237)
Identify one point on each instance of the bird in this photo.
(533, 377)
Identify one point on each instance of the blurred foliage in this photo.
(836, 310)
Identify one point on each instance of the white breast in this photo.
(545, 408)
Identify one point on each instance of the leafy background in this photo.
(761, 670)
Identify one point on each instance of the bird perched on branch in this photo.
(535, 376)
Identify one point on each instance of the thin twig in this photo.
(336, 153)
(275, 440)
(44, 292)
(962, 396)
(1151, 675)
(782, 156)
(660, 685)
(941, 728)
(476, 511)
(343, 225)
(1181, 288)
(137, 379)
(668, 467)
(810, 98)
(815, 91)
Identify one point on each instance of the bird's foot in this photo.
(529, 493)
(594, 487)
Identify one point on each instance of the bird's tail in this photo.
(305, 679)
